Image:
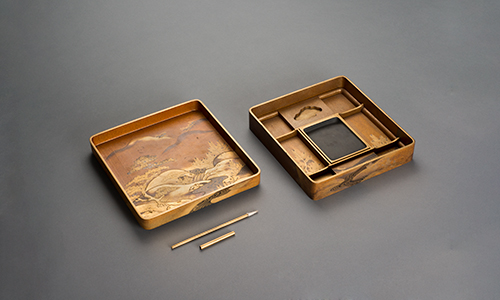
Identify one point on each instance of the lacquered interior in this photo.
(172, 158)
(290, 120)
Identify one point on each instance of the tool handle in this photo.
(216, 240)
(210, 231)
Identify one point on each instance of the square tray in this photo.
(174, 162)
(330, 136)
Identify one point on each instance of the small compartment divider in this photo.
(338, 100)
(340, 91)
(361, 156)
(394, 143)
(275, 124)
(353, 111)
(322, 174)
(287, 122)
(352, 155)
(268, 116)
(286, 136)
(353, 161)
(350, 97)
(330, 94)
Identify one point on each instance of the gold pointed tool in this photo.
(216, 240)
(215, 229)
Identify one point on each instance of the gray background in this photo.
(427, 230)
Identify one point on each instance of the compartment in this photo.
(302, 153)
(275, 124)
(339, 100)
(369, 131)
(306, 112)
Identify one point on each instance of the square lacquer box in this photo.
(330, 136)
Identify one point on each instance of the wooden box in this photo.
(174, 162)
(330, 136)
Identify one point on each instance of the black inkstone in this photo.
(334, 138)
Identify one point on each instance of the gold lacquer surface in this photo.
(183, 162)
(285, 126)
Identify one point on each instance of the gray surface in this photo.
(427, 230)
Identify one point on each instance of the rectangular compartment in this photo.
(275, 124)
(341, 133)
(174, 162)
(303, 153)
(369, 131)
(339, 100)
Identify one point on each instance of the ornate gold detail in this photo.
(306, 162)
(161, 188)
(307, 112)
(379, 141)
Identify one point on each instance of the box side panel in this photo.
(144, 122)
(201, 203)
(363, 172)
